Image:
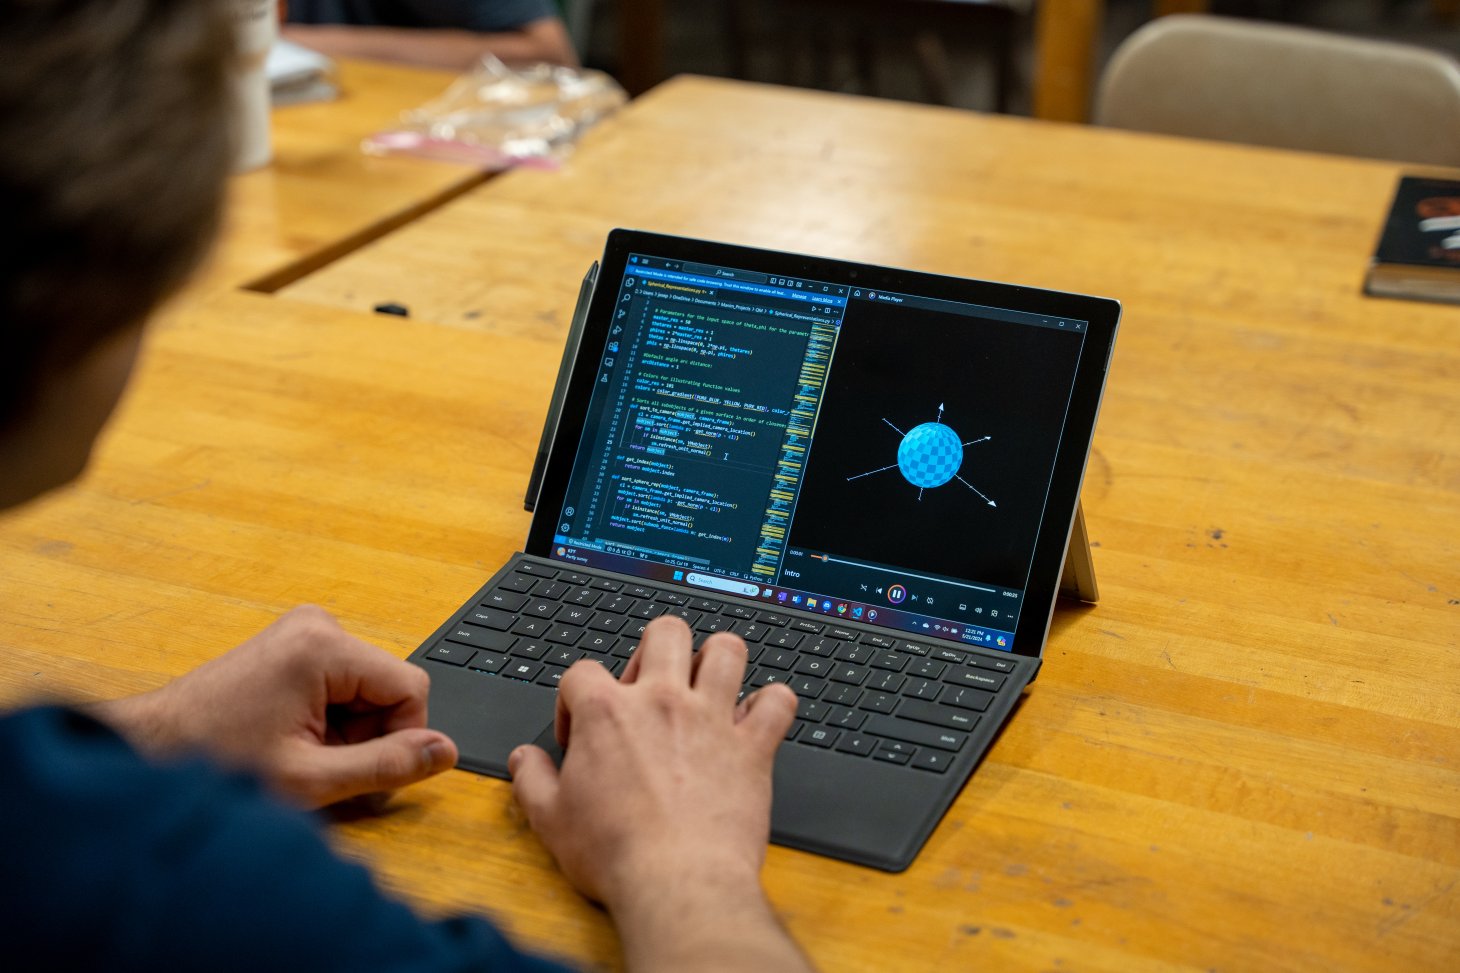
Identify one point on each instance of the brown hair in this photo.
(114, 145)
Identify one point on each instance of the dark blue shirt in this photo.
(111, 862)
(480, 15)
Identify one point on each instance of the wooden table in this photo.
(1247, 757)
(321, 196)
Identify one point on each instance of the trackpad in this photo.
(489, 716)
(548, 740)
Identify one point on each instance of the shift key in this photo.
(919, 733)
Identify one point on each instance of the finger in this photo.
(720, 667)
(665, 650)
(355, 672)
(328, 774)
(768, 714)
(534, 783)
(579, 676)
(631, 671)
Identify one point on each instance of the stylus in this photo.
(560, 389)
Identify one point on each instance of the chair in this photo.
(1288, 87)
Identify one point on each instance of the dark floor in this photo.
(815, 43)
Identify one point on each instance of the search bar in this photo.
(728, 585)
(725, 273)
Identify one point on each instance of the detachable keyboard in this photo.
(863, 693)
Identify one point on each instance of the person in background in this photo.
(156, 832)
(449, 34)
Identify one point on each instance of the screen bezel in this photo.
(1101, 314)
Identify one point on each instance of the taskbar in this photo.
(774, 596)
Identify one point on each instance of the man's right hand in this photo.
(661, 810)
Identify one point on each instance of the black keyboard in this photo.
(862, 693)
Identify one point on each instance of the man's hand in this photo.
(662, 807)
(318, 714)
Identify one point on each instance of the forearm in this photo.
(455, 50)
(714, 926)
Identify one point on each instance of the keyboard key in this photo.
(895, 661)
(890, 756)
(808, 626)
(922, 689)
(764, 677)
(785, 639)
(918, 733)
(846, 719)
(585, 597)
(624, 648)
(482, 638)
(944, 654)
(690, 615)
(879, 702)
(857, 743)
(807, 686)
(774, 619)
(843, 695)
(550, 676)
(673, 598)
(711, 624)
(887, 682)
(929, 759)
(455, 655)
(575, 578)
(811, 710)
(998, 665)
(537, 570)
(937, 714)
(878, 641)
(849, 674)
(562, 656)
(967, 697)
(519, 583)
(634, 629)
(860, 654)
(597, 642)
(647, 610)
(605, 622)
(639, 591)
(794, 729)
(778, 658)
(487, 662)
(541, 608)
(976, 677)
(740, 611)
(928, 668)
(530, 649)
(819, 736)
(822, 646)
(619, 605)
(575, 615)
(704, 604)
(898, 746)
(912, 648)
(522, 669)
(491, 618)
(505, 600)
(753, 631)
(564, 634)
(550, 589)
(844, 634)
(810, 665)
(604, 584)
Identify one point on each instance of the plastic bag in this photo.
(496, 117)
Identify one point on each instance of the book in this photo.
(1418, 256)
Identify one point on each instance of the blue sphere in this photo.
(930, 455)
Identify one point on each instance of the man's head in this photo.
(114, 145)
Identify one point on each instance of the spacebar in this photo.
(927, 736)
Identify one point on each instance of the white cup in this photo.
(256, 26)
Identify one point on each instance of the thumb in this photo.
(333, 773)
(534, 783)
